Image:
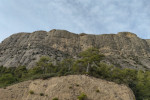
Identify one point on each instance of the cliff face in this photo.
(67, 88)
(123, 49)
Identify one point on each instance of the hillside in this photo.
(124, 49)
(88, 62)
(67, 88)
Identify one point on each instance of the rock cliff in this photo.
(67, 88)
(124, 49)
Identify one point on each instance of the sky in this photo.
(77, 16)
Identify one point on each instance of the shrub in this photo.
(31, 92)
(41, 94)
(97, 91)
(7, 79)
(82, 97)
(55, 98)
(70, 87)
(4, 87)
(46, 76)
(43, 76)
(77, 85)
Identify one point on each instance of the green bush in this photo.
(70, 87)
(77, 85)
(31, 92)
(55, 98)
(41, 94)
(97, 91)
(46, 76)
(7, 79)
(82, 97)
(43, 76)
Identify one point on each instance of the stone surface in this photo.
(67, 88)
(123, 49)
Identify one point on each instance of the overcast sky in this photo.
(88, 16)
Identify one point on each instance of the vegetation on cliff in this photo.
(88, 63)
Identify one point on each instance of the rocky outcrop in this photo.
(123, 49)
(67, 88)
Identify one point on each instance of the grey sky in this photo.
(89, 16)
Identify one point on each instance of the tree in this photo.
(35, 70)
(44, 63)
(7, 79)
(90, 57)
(68, 63)
(21, 71)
